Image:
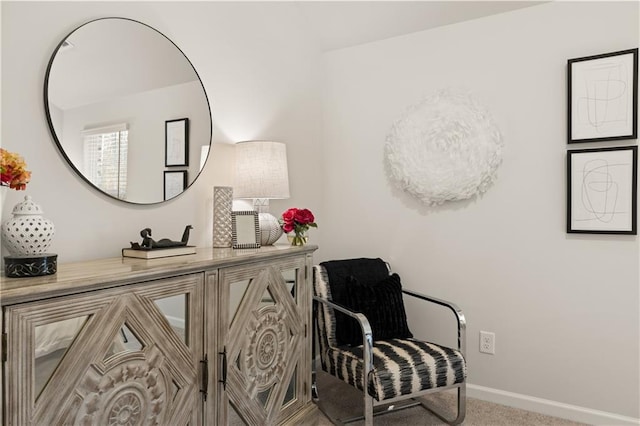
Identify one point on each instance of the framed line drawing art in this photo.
(175, 182)
(176, 142)
(603, 97)
(245, 229)
(602, 190)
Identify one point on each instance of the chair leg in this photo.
(462, 404)
(368, 409)
(314, 363)
(370, 412)
(314, 384)
(461, 407)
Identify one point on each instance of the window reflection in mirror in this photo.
(113, 73)
(105, 158)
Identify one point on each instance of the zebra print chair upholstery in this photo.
(391, 370)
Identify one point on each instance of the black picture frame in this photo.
(175, 182)
(245, 229)
(176, 142)
(602, 193)
(602, 97)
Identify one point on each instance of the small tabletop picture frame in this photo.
(603, 97)
(176, 142)
(602, 190)
(175, 182)
(245, 229)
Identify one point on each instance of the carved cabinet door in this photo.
(263, 342)
(124, 356)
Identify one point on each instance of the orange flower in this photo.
(13, 171)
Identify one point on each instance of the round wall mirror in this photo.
(127, 110)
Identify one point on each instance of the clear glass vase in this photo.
(298, 239)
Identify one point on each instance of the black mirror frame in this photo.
(55, 136)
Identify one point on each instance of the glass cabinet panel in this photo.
(126, 340)
(106, 357)
(176, 309)
(265, 339)
(291, 389)
(51, 343)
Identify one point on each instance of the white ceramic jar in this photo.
(27, 232)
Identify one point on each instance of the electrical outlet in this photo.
(487, 342)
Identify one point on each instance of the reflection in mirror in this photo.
(174, 309)
(267, 299)
(124, 341)
(289, 276)
(291, 389)
(237, 291)
(263, 397)
(51, 344)
(110, 86)
(129, 340)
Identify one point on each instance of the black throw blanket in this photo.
(340, 274)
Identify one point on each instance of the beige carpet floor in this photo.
(342, 401)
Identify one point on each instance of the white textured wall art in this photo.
(445, 148)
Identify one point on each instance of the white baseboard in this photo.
(550, 408)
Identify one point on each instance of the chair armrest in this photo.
(462, 323)
(367, 334)
(358, 316)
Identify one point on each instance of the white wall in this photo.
(262, 80)
(565, 308)
(145, 113)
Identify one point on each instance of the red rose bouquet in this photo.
(13, 171)
(298, 221)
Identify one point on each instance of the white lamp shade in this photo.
(261, 170)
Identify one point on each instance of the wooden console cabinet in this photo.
(219, 337)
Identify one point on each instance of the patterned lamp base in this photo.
(30, 265)
(270, 229)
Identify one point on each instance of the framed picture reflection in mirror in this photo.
(175, 182)
(176, 141)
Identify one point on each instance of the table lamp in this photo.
(262, 174)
